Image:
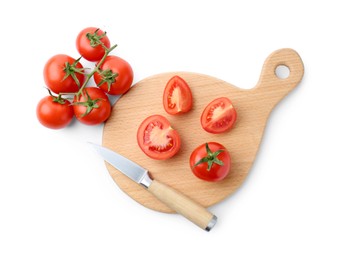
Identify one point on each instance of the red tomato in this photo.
(54, 114)
(92, 107)
(90, 42)
(177, 96)
(157, 139)
(210, 162)
(218, 116)
(63, 74)
(116, 76)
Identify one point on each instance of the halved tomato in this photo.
(218, 116)
(157, 139)
(177, 96)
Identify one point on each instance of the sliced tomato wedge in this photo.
(177, 96)
(157, 139)
(218, 116)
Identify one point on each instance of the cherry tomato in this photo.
(54, 113)
(116, 76)
(157, 139)
(177, 96)
(92, 107)
(218, 116)
(89, 43)
(63, 74)
(210, 162)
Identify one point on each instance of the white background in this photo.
(57, 200)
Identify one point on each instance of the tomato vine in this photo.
(68, 80)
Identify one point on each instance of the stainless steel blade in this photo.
(171, 197)
(124, 165)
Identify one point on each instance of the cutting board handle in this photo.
(272, 86)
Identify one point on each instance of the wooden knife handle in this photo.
(183, 205)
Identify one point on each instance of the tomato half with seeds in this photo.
(157, 139)
(210, 162)
(218, 116)
(177, 97)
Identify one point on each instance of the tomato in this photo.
(92, 107)
(116, 76)
(54, 113)
(90, 42)
(177, 97)
(63, 74)
(218, 116)
(157, 139)
(210, 162)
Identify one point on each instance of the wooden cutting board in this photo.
(253, 107)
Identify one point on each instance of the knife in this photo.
(169, 196)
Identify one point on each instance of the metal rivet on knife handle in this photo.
(183, 205)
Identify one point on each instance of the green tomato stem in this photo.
(88, 76)
(210, 158)
(107, 51)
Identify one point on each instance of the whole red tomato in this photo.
(177, 97)
(210, 162)
(92, 107)
(91, 43)
(63, 74)
(54, 113)
(115, 77)
(157, 139)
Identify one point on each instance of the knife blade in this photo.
(169, 196)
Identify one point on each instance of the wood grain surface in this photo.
(253, 107)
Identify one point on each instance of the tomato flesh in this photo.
(157, 139)
(218, 116)
(177, 96)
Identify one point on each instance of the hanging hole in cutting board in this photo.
(282, 71)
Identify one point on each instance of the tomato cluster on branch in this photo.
(66, 78)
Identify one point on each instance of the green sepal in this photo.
(58, 99)
(90, 104)
(109, 77)
(71, 70)
(211, 158)
(95, 39)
